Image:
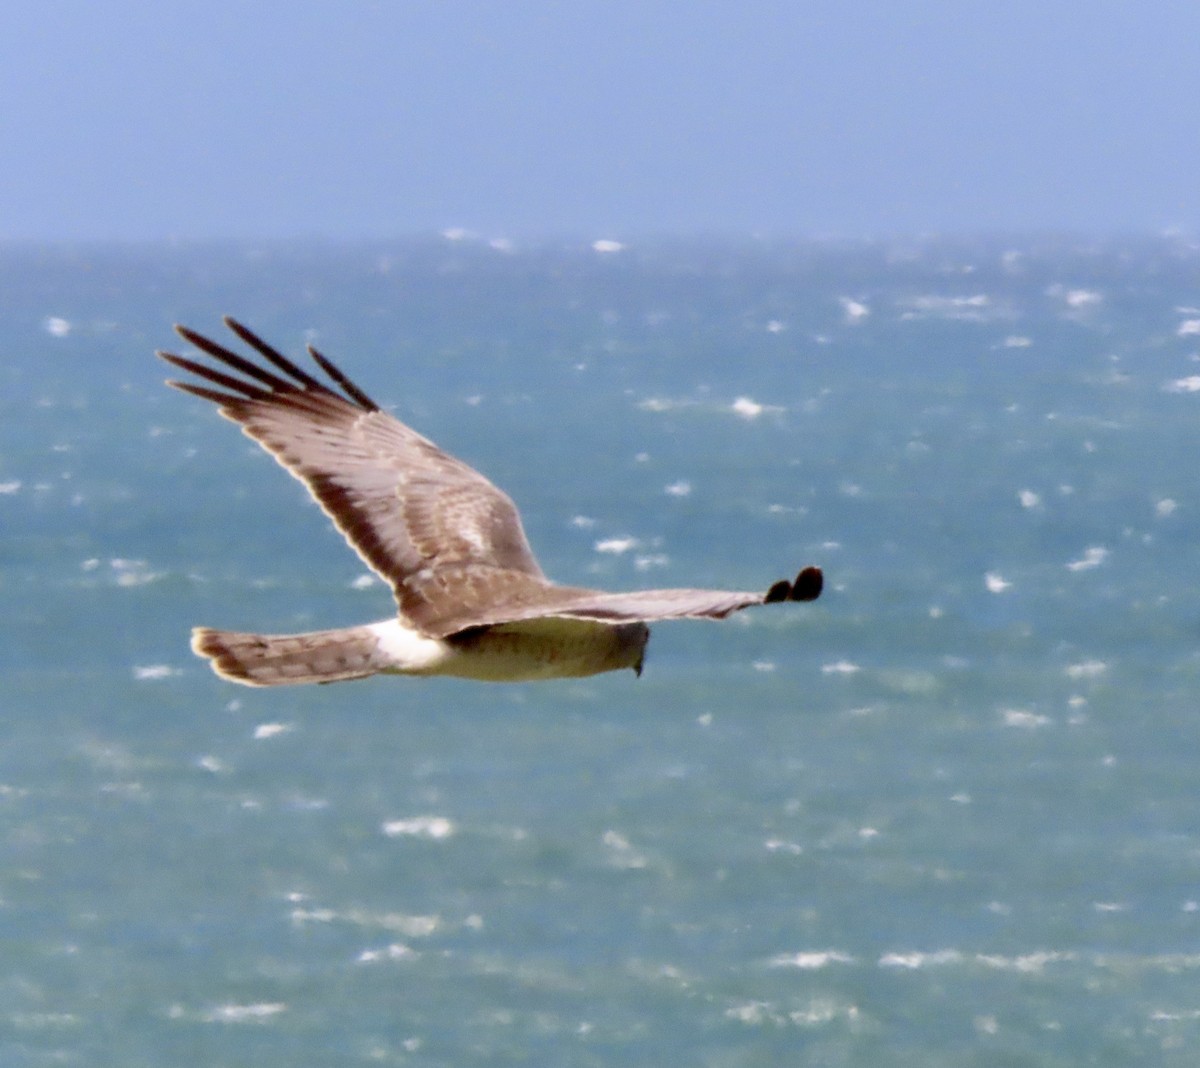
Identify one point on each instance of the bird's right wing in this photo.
(486, 597)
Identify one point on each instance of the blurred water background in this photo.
(948, 815)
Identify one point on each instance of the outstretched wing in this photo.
(415, 514)
(491, 597)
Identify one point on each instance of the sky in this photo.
(347, 119)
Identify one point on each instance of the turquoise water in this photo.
(947, 815)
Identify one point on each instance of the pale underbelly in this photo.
(550, 648)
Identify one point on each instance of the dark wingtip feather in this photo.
(225, 400)
(302, 381)
(247, 390)
(781, 591)
(189, 335)
(233, 360)
(271, 353)
(808, 585)
(339, 376)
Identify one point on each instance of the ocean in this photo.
(947, 815)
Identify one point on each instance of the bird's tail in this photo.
(288, 659)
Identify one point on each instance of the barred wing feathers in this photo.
(408, 508)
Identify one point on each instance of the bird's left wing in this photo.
(410, 510)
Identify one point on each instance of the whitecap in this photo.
(56, 326)
(1191, 384)
(974, 308)
(616, 546)
(133, 572)
(1024, 719)
(1093, 556)
(607, 246)
(409, 926)
(996, 583)
(840, 667)
(818, 1011)
(915, 960)
(1189, 328)
(10, 487)
(778, 845)
(435, 827)
(747, 408)
(394, 951)
(258, 1012)
(855, 311)
(1026, 962)
(270, 730)
(1162, 1016)
(154, 671)
(750, 1012)
(621, 853)
(811, 960)
(676, 489)
(1081, 298)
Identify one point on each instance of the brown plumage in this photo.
(472, 599)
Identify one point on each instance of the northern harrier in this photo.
(472, 600)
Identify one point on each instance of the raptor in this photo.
(471, 599)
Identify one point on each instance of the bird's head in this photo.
(631, 643)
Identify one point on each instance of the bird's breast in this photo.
(546, 648)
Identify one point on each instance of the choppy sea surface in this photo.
(948, 815)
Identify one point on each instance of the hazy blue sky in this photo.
(613, 118)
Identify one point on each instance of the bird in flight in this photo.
(472, 601)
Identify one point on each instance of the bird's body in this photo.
(472, 601)
(527, 651)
